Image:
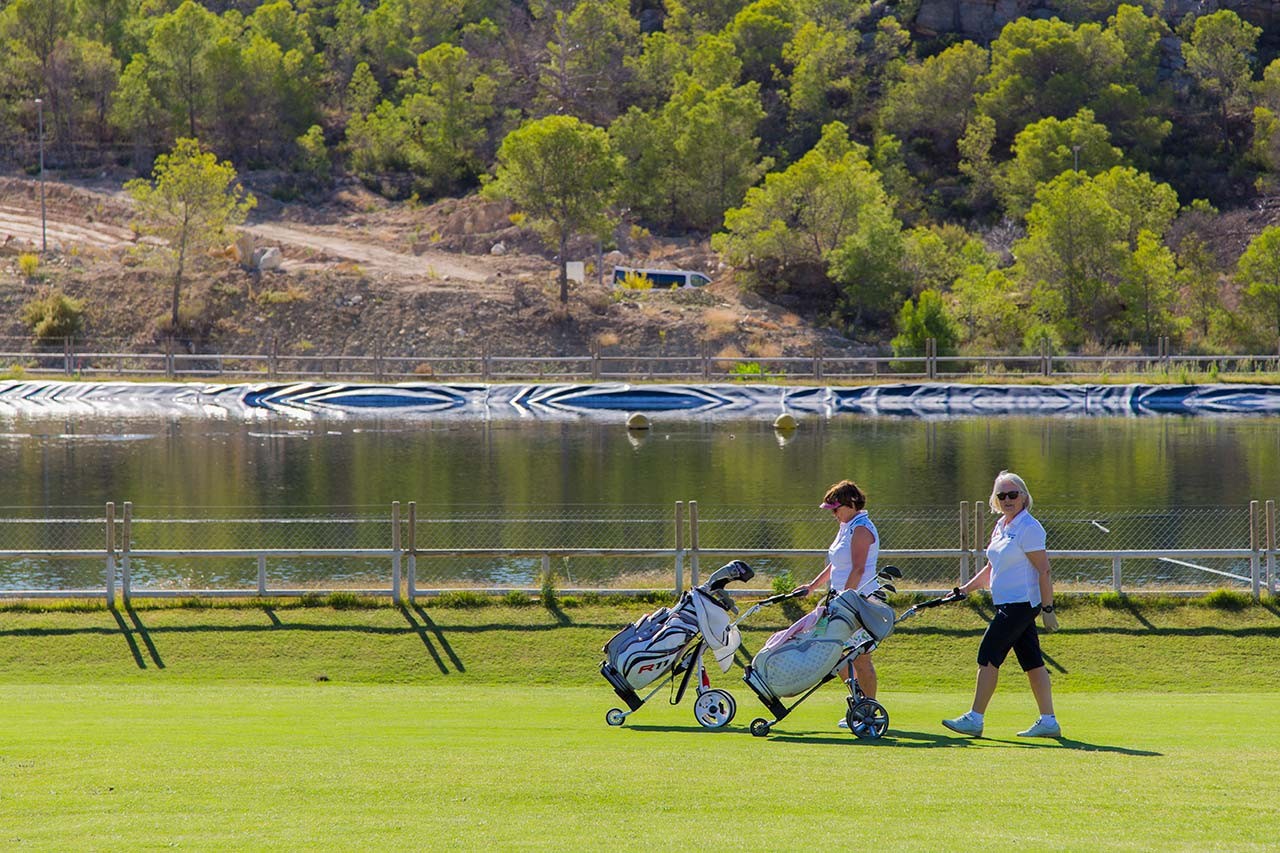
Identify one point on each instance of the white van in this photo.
(662, 278)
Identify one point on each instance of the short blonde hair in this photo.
(1017, 481)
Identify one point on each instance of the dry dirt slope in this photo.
(362, 274)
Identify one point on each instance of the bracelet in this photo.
(1047, 608)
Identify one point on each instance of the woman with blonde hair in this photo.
(1017, 572)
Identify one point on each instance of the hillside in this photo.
(362, 273)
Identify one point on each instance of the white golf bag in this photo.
(804, 655)
(669, 640)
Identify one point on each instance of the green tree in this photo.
(177, 58)
(585, 67)
(1198, 281)
(988, 308)
(563, 174)
(1219, 56)
(1258, 272)
(921, 319)
(1047, 148)
(935, 100)
(823, 221)
(189, 204)
(1147, 289)
(827, 79)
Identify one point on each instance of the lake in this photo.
(1099, 482)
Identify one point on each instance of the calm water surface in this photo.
(488, 471)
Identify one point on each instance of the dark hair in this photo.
(846, 492)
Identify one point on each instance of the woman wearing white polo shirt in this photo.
(1017, 571)
(851, 563)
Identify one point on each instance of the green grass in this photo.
(466, 728)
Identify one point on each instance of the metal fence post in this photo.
(126, 535)
(395, 551)
(693, 543)
(964, 541)
(979, 536)
(67, 360)
(680, 546)
(1255, 558)
(413, 550)
(111, 555)
(1115, 573)
(262, 576)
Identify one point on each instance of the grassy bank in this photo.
(1112, 643)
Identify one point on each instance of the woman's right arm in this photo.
(978, 581)
(822, 578)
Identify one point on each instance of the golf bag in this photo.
(669, 640)
(804, 655)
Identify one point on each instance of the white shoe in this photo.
(1043, 728)
(844, 724)
(965, 725)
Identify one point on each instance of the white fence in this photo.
(91, 358)
(394, 566)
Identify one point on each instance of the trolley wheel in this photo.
(615, 717)
(868, 719)
(714, 709)
(760, 727)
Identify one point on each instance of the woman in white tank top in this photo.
(851, 561)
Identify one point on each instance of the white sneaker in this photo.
(844, 724)
(965, 725)
(1043, 728)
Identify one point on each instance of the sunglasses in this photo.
(1008, 496)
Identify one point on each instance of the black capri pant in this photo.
(1014, 627)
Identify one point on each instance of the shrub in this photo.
(350, 601)
(783, 583)
(1226, 599)
(28, 264)
(747, 370)
(516, 598)
(463, 599)
(1112, 600)
(547, 592)
(54, 315)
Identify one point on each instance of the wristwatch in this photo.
(1047, 608)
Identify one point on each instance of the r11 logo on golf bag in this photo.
(652, 668)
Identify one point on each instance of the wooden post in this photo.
(126, 536)
(111, 555)
(1272, 547)
(395, 551)
(979, 537)
(964, 540)
(679, 546)
(1255, 561)
(413, 550)
(693, 543)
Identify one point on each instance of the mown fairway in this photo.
(465, 729)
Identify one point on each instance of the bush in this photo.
(783, 583)
(516, 598)
(54, 315)
(350, 601)
(1226, 599)
(28, 265)
(463, 599)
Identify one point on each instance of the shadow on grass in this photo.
(428, 623)
(902, 738)
(421, 631)
(127, 632)
(145, 635)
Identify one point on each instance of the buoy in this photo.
(637, 421)
(784, 422)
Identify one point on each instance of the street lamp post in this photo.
(1075, 154)
(44, 243)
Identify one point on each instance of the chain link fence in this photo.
(598, 546)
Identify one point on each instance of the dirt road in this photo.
(73, 213)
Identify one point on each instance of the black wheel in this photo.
(760, 727)
(615, 717)
(714, 709)
(868, 719)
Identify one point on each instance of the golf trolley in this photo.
(800, 659)
(667, 645)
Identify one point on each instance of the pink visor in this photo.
(829, 505)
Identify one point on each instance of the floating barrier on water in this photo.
(309, 399)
